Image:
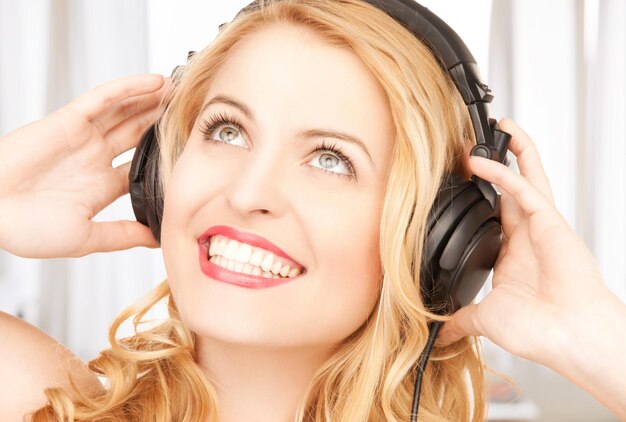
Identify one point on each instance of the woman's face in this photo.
(266, 178)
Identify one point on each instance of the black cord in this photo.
(433, 329)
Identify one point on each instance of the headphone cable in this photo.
(433, 329)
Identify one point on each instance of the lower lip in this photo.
(224, 275)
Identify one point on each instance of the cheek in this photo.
(349, 268)
(181, 196)
(182, 199)
(186, 193)
(340, 234)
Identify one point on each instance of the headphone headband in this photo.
(464, 230)
(453, 56)
(457, 60)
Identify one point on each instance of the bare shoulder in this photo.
(31, 361)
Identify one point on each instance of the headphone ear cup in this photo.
(143, 177)
(145, 193)
(463, 241)
(477, 261)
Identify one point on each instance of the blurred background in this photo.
(556, 68)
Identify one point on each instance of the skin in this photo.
(557, 285)
(545, 276)
(262, 346)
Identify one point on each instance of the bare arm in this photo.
(62, 164)
(31, 361)
(592, 354)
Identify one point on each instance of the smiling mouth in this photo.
(242, 258)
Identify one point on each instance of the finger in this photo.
(109, 236)
(117, 185)
(511, 214)
(130, 107)
(127, 134)
(495, 281)
(528, 159)
(525, 194)
(446, 335)
(463, 323)
(95, 101)
(114, 185)
(501, 252)
(123, 171)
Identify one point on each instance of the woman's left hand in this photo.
(544, 274)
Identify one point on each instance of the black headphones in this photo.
(464, 229)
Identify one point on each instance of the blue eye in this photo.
(227, 134)
(329, 159)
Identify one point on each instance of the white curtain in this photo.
(564, 83)
(604, 113)
(555, 67)
(52, 51)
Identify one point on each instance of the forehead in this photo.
(290, 77)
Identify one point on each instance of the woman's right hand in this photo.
(56, 173)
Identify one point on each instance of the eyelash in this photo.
(217, 120)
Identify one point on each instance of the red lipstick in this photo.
(222, 274)
(249, 238)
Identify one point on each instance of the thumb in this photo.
(109, 236)
(463, 323)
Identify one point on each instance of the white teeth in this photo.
(221, 244)
(230, 265)
(257, 257)
(239, 267)
(267, 262)
(213, 248)
(231, 249)
(248, 268)
(276, 267)
(249, 257)
(244, 252)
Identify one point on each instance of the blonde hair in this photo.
(153, 375)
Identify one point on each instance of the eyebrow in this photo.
(310, 133)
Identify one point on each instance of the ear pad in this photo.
(143, 183)
(462, 245)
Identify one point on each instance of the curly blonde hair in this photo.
(153, 375)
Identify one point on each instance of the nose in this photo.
(257, 186)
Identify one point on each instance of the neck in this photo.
(256, 383)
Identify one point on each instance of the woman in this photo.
(339, 340)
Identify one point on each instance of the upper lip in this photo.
(249, 238)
